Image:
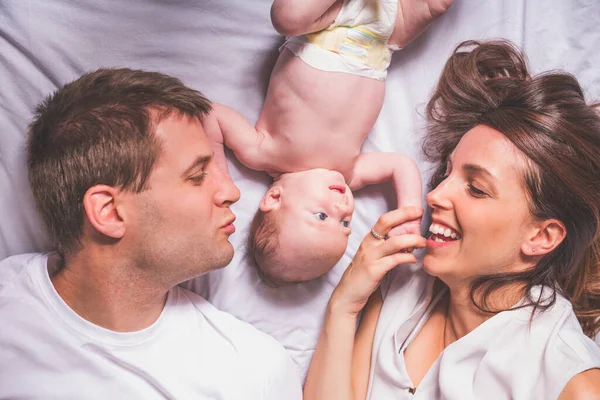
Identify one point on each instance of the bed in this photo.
(226, 49)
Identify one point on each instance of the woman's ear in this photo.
(544, 237)
(271, 200)
(100, 206)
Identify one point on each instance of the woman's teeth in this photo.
(443, 231)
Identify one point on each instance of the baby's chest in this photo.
(298, 156)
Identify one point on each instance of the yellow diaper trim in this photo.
(356, 42)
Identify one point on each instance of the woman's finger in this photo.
(387, 221)
(397, 244)
(389, 262)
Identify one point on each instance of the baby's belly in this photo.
(318, 119)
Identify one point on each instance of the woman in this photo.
(508, 295)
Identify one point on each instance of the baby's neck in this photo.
(275, 175)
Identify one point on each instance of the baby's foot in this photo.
(414, 16)
(410, 227)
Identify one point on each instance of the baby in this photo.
(324, 95)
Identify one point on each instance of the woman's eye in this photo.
(447, 171)
(476, 192)
(322, 216)
(345, 224)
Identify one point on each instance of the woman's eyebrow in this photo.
(474, 168)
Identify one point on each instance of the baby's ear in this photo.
(271, 200)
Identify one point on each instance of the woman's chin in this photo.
(434, 266)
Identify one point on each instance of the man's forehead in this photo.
(183, 141)
(177, 130)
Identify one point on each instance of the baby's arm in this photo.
(371, 168)
(226, 127)
(298, 17)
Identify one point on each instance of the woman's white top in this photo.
(506, 357)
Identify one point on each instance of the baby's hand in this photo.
(409, 227)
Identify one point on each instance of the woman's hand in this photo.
(374, 258)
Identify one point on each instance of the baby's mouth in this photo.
(338, 188)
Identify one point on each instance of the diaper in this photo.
(355, 43)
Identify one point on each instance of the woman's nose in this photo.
(440, 197)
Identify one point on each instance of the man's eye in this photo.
(198, 178)
(345, 224)
(476, 192)
(322, 216)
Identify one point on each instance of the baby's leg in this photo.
(414, 16)
(298, 17)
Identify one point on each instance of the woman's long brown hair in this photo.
(545, 117)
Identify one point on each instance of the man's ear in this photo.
(271, 200)
(100, 205)
(544, 236)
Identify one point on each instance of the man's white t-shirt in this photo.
(193, 351)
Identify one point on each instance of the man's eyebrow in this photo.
(197, 162)
(474, 168)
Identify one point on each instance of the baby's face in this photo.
(316, 212)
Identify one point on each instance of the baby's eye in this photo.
(345, 224)
(322, 216)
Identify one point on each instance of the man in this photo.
(123, 176)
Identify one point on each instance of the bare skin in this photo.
(120, 277)
(342, 360)
(317, 119)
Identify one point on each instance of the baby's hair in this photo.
(263, 241)
(274, 265)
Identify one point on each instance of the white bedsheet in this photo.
(226, 49)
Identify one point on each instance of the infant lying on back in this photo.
(324, 95)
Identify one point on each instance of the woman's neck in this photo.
(463, 316)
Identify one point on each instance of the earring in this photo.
(533, 250)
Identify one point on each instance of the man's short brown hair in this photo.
(99, 129)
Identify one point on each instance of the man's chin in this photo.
(225, 257)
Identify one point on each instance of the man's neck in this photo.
(109, 292)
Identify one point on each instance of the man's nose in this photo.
(227, 192)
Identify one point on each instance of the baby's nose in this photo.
(342, 205)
